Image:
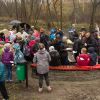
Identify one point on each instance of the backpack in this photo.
(19, 57)
(26, 50)
(6, 56)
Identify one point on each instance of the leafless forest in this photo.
(51, 12)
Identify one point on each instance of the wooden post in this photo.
(26, 74)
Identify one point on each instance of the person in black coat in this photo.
(63, 55)
(89, 41)
(78, 45)
(55, 57)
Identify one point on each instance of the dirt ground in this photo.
(70, 85)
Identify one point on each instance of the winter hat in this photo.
(32, 38)
(7, 45)
(41, 46)
(53, 30)
(51, 48)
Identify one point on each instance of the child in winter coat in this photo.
(2, 82)
(7, 58)
(18, 55)
(55, 57)
(92, 55)
(19, 60)
(42, 58)
(83, 59)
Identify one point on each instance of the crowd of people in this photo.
(45, 49)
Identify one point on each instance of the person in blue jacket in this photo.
(93, 56)
(52, 34)
(2, 82)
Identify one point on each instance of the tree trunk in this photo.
(31, 10)
(16, 9)
(38, 13)
(92, 20)
(56, 13)
(61, 14)
(49, 11)
(23, 11)
(74, 11)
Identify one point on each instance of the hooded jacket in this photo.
(18, 56)
(42, 59)
(83, 60)
(7, 56)
(55, 57)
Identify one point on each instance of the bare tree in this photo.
(31, 8)
(55, 9)
(95, 4)
(74, 11)
(8, 7)
(61, 14)
(49, 11)
(38, 12)
(16, 9)
(23, 11)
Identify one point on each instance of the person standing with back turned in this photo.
(42, 59)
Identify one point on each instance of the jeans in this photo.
(8, 71)
(41, 76)
(3, 90)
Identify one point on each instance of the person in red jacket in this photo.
(83, 59)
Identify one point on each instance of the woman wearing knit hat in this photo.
(55, 57)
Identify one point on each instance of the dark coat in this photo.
(97, 46)
(93, 56)
(77, 45)
(55, 58)
(91, 42)
(63, 55)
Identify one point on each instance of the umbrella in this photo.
(22, 25)
(14, 22)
